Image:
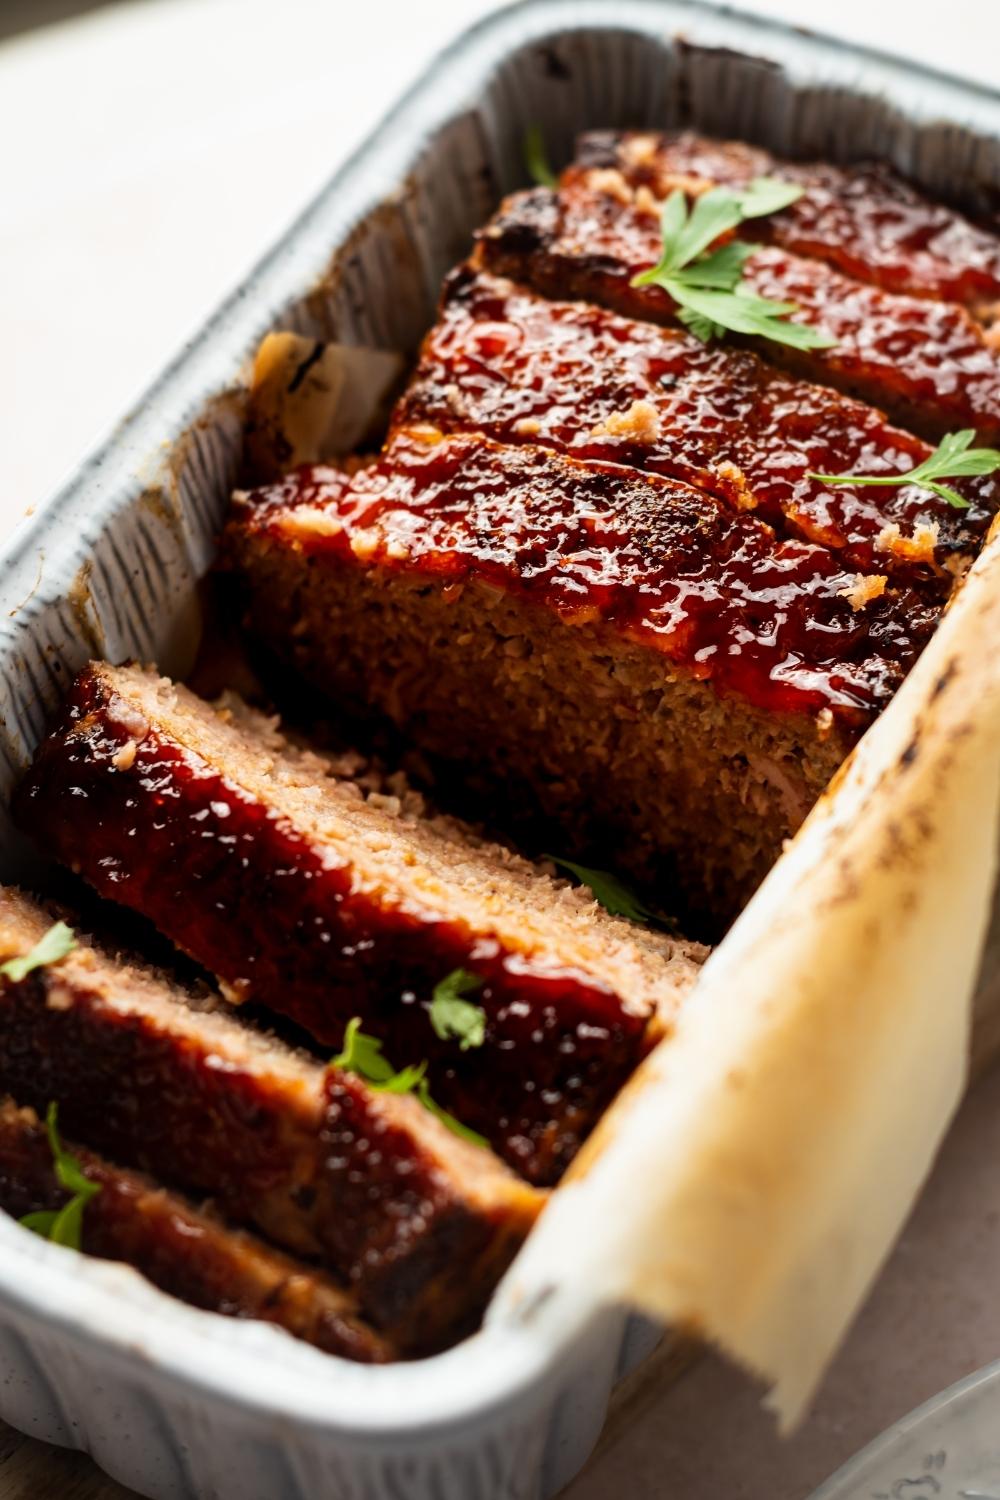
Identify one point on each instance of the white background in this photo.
(148, 154)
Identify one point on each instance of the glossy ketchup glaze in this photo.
(523, 369)
(927, 363)
(782, 624)
(864, 219)
(315, 1160)
(189, 1254)
(287, 921)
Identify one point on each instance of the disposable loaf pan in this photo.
(171, 1401)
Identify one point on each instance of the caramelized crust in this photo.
(185, 1251)
(777, 623)
(521, 369)
(609, 654)
(418, 1223)
(301, 894)
(927, 363)
(863, 219)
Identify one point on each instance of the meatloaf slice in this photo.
(418, 1223)
(928, 363)
(617, 653)
(297, 889)
(505, 362)
(864, 219)
(186, 1251)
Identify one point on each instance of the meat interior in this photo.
(597, 595)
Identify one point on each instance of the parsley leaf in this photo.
(50, 948)
(362, 1054)
(767, 195)
(63, 1226)
(452, 1016)
(536, 159)
(455, 1126)
(707, 284)
(953, 458)
(608, 890)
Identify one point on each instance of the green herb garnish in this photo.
(953, 458)
(455, 1126)
(50, 948)
(362, 1054)
(454, 1018)
(536, 159)
(608, 891)
(707, 286)
(63, 1226)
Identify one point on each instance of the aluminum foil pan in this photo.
(174, 1402)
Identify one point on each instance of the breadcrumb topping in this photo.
(744, 497)
(863, 589)
(919, 547)
(640, 423)
(305, 520)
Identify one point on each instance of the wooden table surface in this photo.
(34, 1471)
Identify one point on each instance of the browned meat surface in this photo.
(188, 1252)
(927, 363)
(864, 219)
(419, 1223)
(595, 587)
(522, 369)
(309, 897)
(624, 653)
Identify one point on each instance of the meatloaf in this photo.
(864, 219)
(186, 1251)
(419, 1223)
(616, 653)
(323, 899)
(520, 368)
(929, 363)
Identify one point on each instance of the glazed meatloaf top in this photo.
(786, 625)
(324, 899)
(367, 1183)
(185, 1250)
(929, 363)
(863, 219)
(527, 369)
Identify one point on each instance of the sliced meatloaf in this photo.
(278, 872)
(186, 1251)
(928, 363)
(626, 656)
(864, 219)
(519, 368)
(417, 1222)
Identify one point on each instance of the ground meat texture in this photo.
(624, 655)
(417, 1223)
(864, 218)
(929, 364)
(522, 369)
(185, 1251)
(310, 897)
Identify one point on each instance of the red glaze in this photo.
(183, 1251)
(259, 903)
(325, 1167)
(926, 362)
(863, 219)
(667, 565)
(519, 368)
